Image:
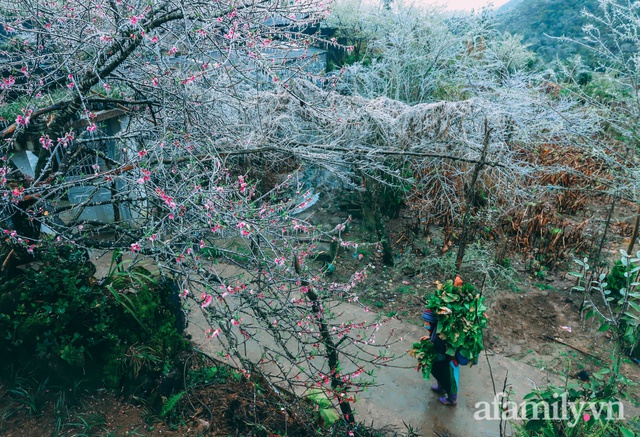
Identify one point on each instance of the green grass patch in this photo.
(543, 286)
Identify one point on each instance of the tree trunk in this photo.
(337, 384)
(471, 194)
(383, 237)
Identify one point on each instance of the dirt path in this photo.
(404, 397)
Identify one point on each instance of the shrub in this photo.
(57, 322)
(616, 279)
(587, 409)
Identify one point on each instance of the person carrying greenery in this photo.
(444, 368)
(455, 320)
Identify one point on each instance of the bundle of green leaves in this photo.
(425, 352)
(461, 318)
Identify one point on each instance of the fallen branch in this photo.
(548, 337)
(402, 237)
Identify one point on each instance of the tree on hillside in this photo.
(541, 21)
(419, 58)
(611, 39)
(410, 52)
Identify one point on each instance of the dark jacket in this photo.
(441, 349)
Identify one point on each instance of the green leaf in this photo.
(626, 432)
(628, 334)
(210, 252)
(635, 306)
(604, 327)
(329, 416)
(318, 397)
(128, 306)
(633, 316)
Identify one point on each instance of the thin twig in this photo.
(548, 337)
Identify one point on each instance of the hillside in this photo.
(509, 6)
(536, 20)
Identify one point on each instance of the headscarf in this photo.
(428, 316)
